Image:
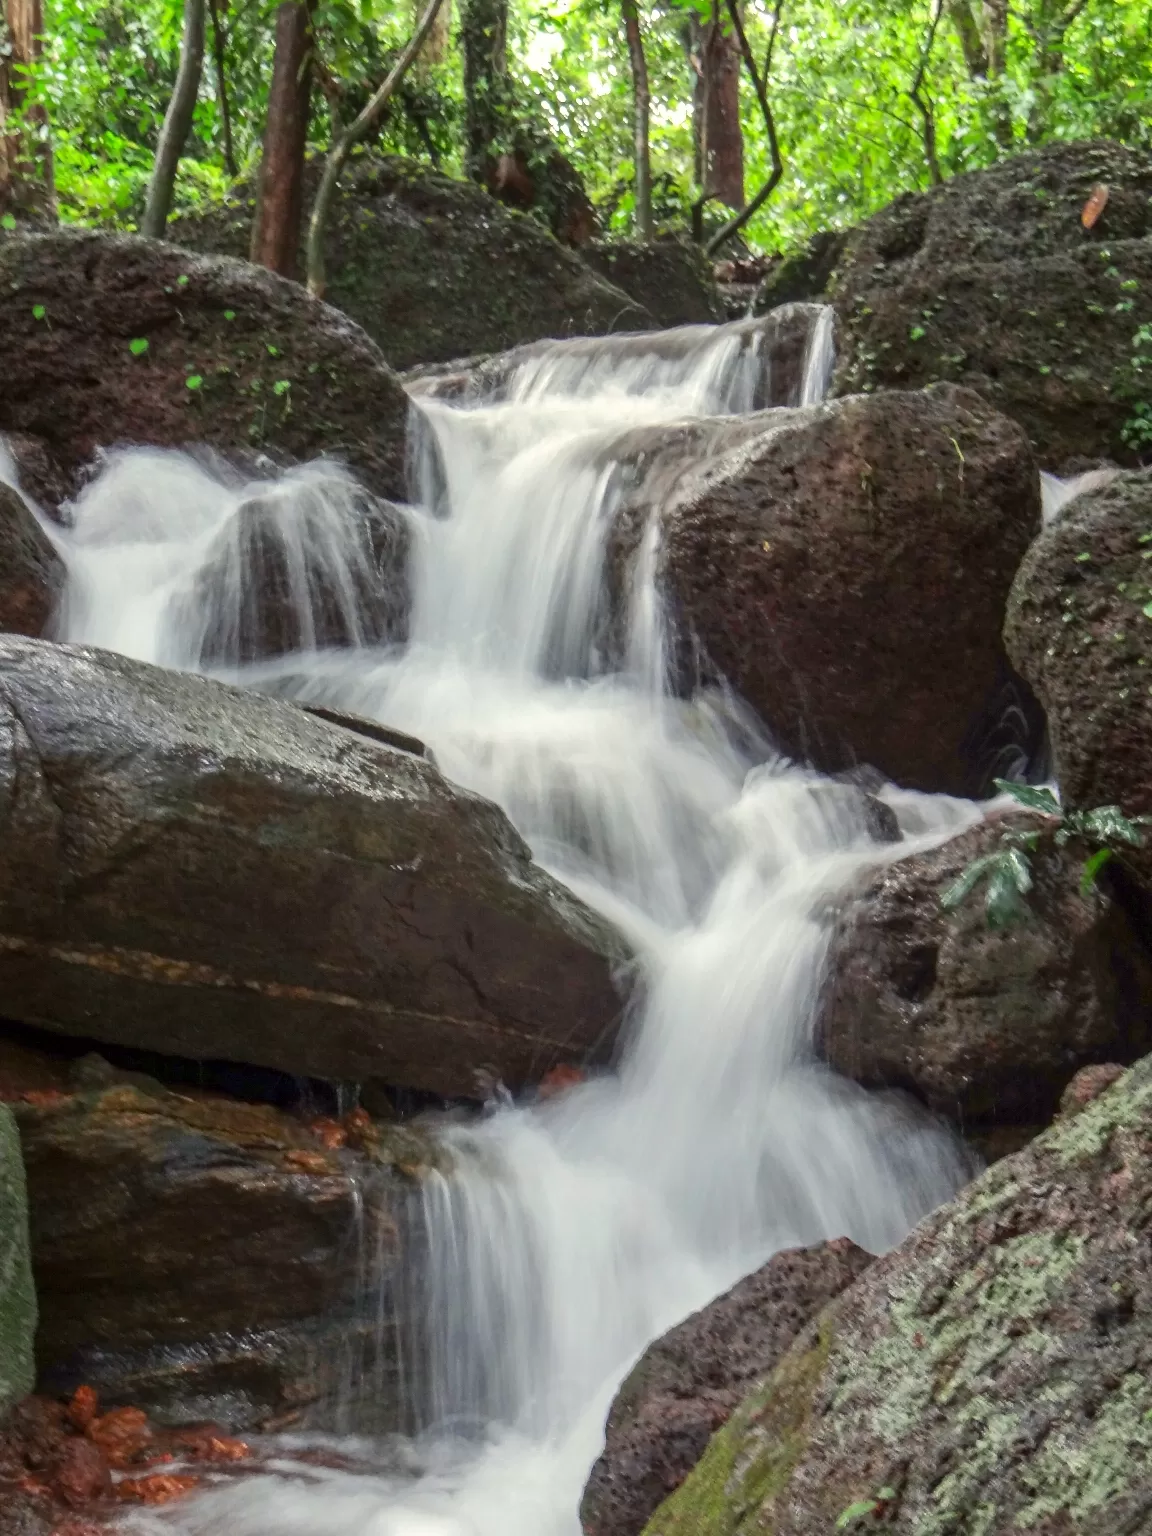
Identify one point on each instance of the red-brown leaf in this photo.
(1095, 205)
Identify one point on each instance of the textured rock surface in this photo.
(434, 268)
(669, 278)
(992, 280)
(688, 1383)
(17, 1299)
(847, 568)
(993, 1374)
(804, 274)
(201, 1257)
(202, 871)
(277, 371)
(984, 1025)
(31, 572)
(1078, 632)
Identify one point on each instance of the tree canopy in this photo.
(868, 98)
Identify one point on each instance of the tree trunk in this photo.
(435, 50)
(995, 32)
(971, 38)
(220, 57)
(641, 109)
(25, 149)
(278, 224)
(721, 137)
(484, 33)
(177, 122)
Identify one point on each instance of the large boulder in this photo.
(434, 268)
(198, 870)
(108, 339)
(1079, 628)
(846, 568)
(985, 1025)
(17, 1298)
(205, 1258)
(669, 278)
(690, 1381)
(992, 1374)
(992, 280)
(31, 571)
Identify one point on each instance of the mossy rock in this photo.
(17, 1297)
(434, 268)
(991, 1375)
(670, 278)
(992, 280)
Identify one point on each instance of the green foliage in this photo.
(1006, 872)
(843, 71)
(1137, 430)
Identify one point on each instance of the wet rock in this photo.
(1087, 1086)
(688, 1383)
(31, 572)
(846, 568)
(984, 1025)
(1078, 631)
(434, 268)
(669, 278)
(17, 1298)
(205, 872)
(995, 1368)
(992, 280)
(208, 1259)
(113, 339)
(36, 472)
(803, 275)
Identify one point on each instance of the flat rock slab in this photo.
(201, 871)
(993, 1374)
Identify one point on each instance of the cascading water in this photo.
(572, 1230)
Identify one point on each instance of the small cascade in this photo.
(567, 1232)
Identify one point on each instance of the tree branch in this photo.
(220, 56)
(348, 138)
(923, 106)
(760, 85)
(177, 122)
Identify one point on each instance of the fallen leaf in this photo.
(160, 1488)
(329, 1133)
(44, 1098)
(308, 1162)
(83, 1407)
(1095, 205)
(123, 1434)
(206, 1445)
(559, 1080)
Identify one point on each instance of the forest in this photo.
(748, 126)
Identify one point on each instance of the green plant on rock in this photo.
(1006, 872)
(1137, 429)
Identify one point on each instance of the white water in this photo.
(576, 1229)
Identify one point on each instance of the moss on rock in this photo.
(991, 1375)
(17, 1298)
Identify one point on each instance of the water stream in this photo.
(573, 1230)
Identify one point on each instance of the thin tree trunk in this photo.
(484, 34)
(348, 138)
(435, 50)
(760, 86)
(277, 226)
(971, 40)
(220, 57)
(922, 103)
(722, 138)
(177, 122)
(995, 32)
(641, 113)
(26, 182)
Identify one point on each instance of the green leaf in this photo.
(138, 346)
(1036, 798)
(1016, 864)
(1092, 868)
(272, 351)
(193, 381)
(962, 888)
(917, 333)
(1108, 824)
(38, 312)
(854, 1512)
(229, 314)
(1083, 556)
(281, 386)
(1002, 903)
(182, 280)
(1147, 610)
(8, 222)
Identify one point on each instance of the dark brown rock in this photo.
(846, 569)
(31, 572)
(276, 370)
(688, 1383)
(803, 274)
(37, 472)
(203, 1258)
(669, 278)
(202, 871)
(992, 281)
(1087, 1086)
(1078, 632)
(985, 1025)
(993, 1373)
(434, 268)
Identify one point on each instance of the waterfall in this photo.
(575, 1229)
